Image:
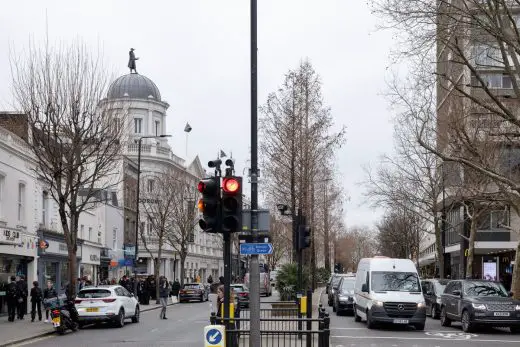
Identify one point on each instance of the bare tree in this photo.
(474, 46)
(281, 239)
(76, 144)
(357, 243)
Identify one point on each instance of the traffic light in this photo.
(232, 204)
(337, 268)
(209, 204)
(304, 237)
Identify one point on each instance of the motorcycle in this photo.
(64, 317)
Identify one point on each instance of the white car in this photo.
(106, 304)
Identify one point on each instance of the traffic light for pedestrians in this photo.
(304, 237)
(209, 204)
(232, 204)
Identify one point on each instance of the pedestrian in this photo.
(36, 301)
(163, 296)
(210, 279)
(176, 287)
(22, 299)
(12, 299)
(49, 293)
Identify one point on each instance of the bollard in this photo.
(326, 331)
(213, 318)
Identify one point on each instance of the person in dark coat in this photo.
(210, 279)
(13, 296)
(163, 296)
(36, 301)
(176, 287)
(49, 293)
(22, 300)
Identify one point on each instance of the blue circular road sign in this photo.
(214, 336)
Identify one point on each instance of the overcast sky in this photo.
(197, 52)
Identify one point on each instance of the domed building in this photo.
(135, 101)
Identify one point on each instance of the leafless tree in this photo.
(357, 243)
(465, 71)
(75, 143)
(281, 238)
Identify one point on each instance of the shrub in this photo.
(287, 281)
(322, 275)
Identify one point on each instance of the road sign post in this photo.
(214, 336)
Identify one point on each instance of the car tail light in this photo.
(77, 301)
(56, 312)
(182, 291)
(242, 294)
(109, 300)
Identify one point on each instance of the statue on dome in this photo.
(131, 61)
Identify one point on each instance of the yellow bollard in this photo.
(303, 305)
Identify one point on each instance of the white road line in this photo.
(154, 330)
(334, 328)
(420, 338)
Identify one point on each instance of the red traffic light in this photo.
(201, 186)
(230, 185)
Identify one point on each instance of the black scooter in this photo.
(65, 317)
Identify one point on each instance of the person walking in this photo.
(36, 301)
(163, 296)
(13, 296)
(49, 293)
(23, 291)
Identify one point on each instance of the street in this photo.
(347, 333)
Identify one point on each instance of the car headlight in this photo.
(479, 306)
(343, 298)
(420, 304)
(517, 307)
(377, 303)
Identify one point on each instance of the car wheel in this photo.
(202, 298)
(370, 322)
(419, 326)
(135, 318)
(445, 321)
(434, 312)
(356, 317)
(467, 327)
(120, 319)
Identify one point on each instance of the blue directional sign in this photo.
(213, 336)
(256, 248)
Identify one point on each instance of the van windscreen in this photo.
(395, 281)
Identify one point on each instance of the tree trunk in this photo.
(515, 285)
(157, 271)
(471, 246)
(438, 246)
(72, 273)
(70, 235)
(183, 269)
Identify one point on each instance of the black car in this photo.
(432, 291)
(344, 296)
(479, 303)
(193, 291)
(241, 294)
(334, 283)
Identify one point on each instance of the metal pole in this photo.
(137, 212)
(227, 282)
(254, 270)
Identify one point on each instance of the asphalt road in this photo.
(347, 333)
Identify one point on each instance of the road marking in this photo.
(154, 330)
(29, 342)
(334, 328)
(451, 335)
(417, 338)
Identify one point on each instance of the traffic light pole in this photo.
(254, 266)
(227, 281)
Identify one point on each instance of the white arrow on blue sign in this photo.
(214, 336)
(256, 248)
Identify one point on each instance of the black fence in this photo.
(286, 331)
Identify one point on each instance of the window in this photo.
(493, 220)
(2, 182)
(487, 56)
(150, 226)
(90, 233)
(45, 203)
(138, 125)
(150, 185)
(157, 129)
(395, 281)
(82, 231)
(21, 202)
(114, 238)
(493, 80)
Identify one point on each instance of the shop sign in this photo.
(91, 255)
(56, 247)
(94, 257)
(10, 237)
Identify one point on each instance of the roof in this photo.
(134, 86)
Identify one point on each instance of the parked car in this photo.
(242, 294)
(479, 303)
(193, 291)
(388, 290)
(432, 291)
(106, 304)
(344, 296)
(334, 283)
(265, 282)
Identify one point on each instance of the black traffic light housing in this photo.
(304, 237)
(209, 205)
(232, 204)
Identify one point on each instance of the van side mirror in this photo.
(364, 288)
(510, 294)
(456, 292)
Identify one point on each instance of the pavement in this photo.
(347, 333)
(19, 331)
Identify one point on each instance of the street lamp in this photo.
(140, 141)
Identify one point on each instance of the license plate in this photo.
(56, 320)
(400, 321)
(92, 309)
(501, 314)
(190, 292)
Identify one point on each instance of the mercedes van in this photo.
(388, 290)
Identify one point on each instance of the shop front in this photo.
(90, 262)
(53, 262)
(17, 254)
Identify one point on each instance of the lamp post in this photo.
(139, 143)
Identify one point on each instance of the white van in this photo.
(388, 291)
